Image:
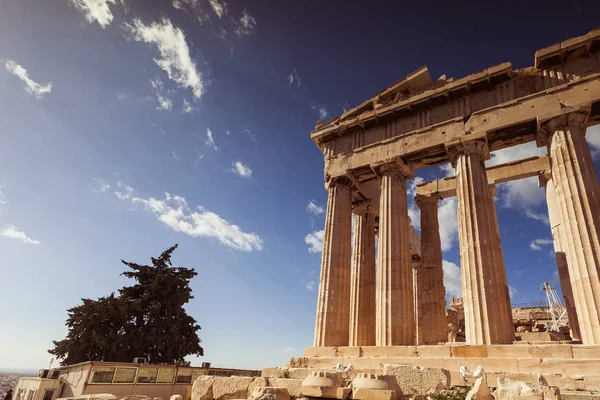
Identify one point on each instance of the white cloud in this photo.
(241, 169)
(536, 245)
(187, 107)
(289, 350)
(96, 10)
(593, 138)
(175, 156)
(452, 280)
(315, 241)
(415, 216)
(447, 170)
(314, 208)
(125, 193)
(31, 87)
(219, 7)
(518, 272)
(2, 196)
(175, 213)
(320, 110)
(447, 217)
(523, 194)
(210, 141)
(294, 79)
(175, 56)
(512, 291)
(310, 285)
(181, 4)
(99, 185)
(164, 103)
(411, 189)
(12, 232)
(246, 25)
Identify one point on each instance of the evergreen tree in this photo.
(147, 319)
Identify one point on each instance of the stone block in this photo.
(507, 389)
(581, 351)
(269, 393)
(551, 393)
(478, 351)
(324, 384)
(203, 388)
(297, 373)
(176, 397)
(369, 386)
(367, 394)
(592, 382)
(273, 372)
(389, 351)
(480, 390)
(417, 380)
(293, 386)
(441, 351)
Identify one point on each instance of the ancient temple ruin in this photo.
(381, 329)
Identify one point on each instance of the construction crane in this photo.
(556, 306)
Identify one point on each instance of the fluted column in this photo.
(333, 303)
(431, 299)
(395, 323)
(578, 198)
(479, 248)
(362, 286)
(501, 289)
(558, 238)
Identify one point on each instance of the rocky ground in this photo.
(8, 380)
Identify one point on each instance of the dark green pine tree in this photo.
(96, 331)
(147, 319)
(160, 329)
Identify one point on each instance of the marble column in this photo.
(578, 198)
(362, 284)
(501, 290)
(395, 324)
(431, 299)
(333, 303)
(480, 251)
(558, 238)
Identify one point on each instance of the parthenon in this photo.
(396, 297)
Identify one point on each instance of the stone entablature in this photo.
(373, 150)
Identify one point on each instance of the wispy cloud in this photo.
(452, 280)
(512, 292)
(293, 79)
(187, 107)
(246, 25)
(536, 245)
(320, 110)
(31, 87)
(518, 272)
(99, 185)
(219, 7)
(315, 241)
(96, 10)
(2, 196)
(12, 232)
(174, 52)
(251, 135)
(126, 191)
(289, 350)
(210, 140)
(314, 208)
(175, 156)
(241, 169)
(176, 214)
(164, 103)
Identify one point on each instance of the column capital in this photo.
(422, 200)
(469, 147)
(362, 207)
(544, 177)
(574, 120)
(338, 181)
(396, 166)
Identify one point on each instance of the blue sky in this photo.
(128, 126)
